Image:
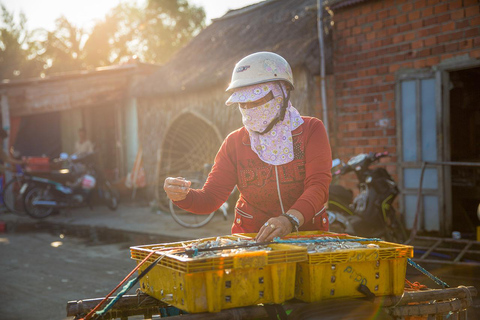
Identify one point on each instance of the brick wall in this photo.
(375, 39)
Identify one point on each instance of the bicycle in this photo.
(188, 219)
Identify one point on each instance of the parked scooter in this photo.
(371, 213)
(73, 185)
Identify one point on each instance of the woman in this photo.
(279, 161)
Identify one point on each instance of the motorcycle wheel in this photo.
(110, 196)
(35, 193)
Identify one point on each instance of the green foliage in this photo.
(152, 33)
(18, 51)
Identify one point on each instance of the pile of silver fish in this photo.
(324, 245)
(222, 242)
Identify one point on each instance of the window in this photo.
(418, 135)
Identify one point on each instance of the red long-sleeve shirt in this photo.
(301, 184)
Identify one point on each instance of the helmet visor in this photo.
(249, 94)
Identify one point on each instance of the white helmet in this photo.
(260, 67)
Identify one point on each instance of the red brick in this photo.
(444, 38)
(454, 4)
(392, 31)
(356, 30)
(398, 39)
(361, 20)
(382, 15)
(410, 36)
(451, 47)
(433, 61)
(417, 44)
(475, 21)
(366, 9)
(430, 41)
(371, 17)
(378, 5)
(470, 2)
(461, 24)
(448, 27)
(393, 68)
(420, 63)
(438, 50)
(441, 8)
(417, 24)
(401, 19)
(381, 34)
(427, 12)
(457, 14)
(378, 25)
(472, 32)
(405, 27)
(387, 42)
(443, 18)
(475, 54)
(430, 21)
(434, 30)
(414, 15)
(389, 22)
(393, 12)
(471, 11)
(407, 7)
(420, 4)
(466, 44)
(341, 25)
(423, 53)
(370, 36)
(350, 41)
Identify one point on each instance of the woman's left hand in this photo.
(274, 227)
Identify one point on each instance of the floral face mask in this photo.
(276, 146)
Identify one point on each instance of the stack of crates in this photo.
(216, 283)
(338, 274)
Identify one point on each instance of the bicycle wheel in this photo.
(188, 219)
(38, 193)
(12, 198)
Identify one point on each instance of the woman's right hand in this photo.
(177, 188)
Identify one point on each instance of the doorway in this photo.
(464, 140)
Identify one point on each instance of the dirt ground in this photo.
(41, 272)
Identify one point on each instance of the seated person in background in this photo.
(83, 145)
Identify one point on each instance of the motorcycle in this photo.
(370, 213)
(71, 186)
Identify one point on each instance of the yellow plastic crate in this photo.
(338, 274)
(217, 283)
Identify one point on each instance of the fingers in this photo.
(274, 227)
(177, 188)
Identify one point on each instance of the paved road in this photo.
(38, 279)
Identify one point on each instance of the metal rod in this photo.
(322, 63)
(461, 254)
(426, 254)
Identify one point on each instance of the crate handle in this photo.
(363, 289)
